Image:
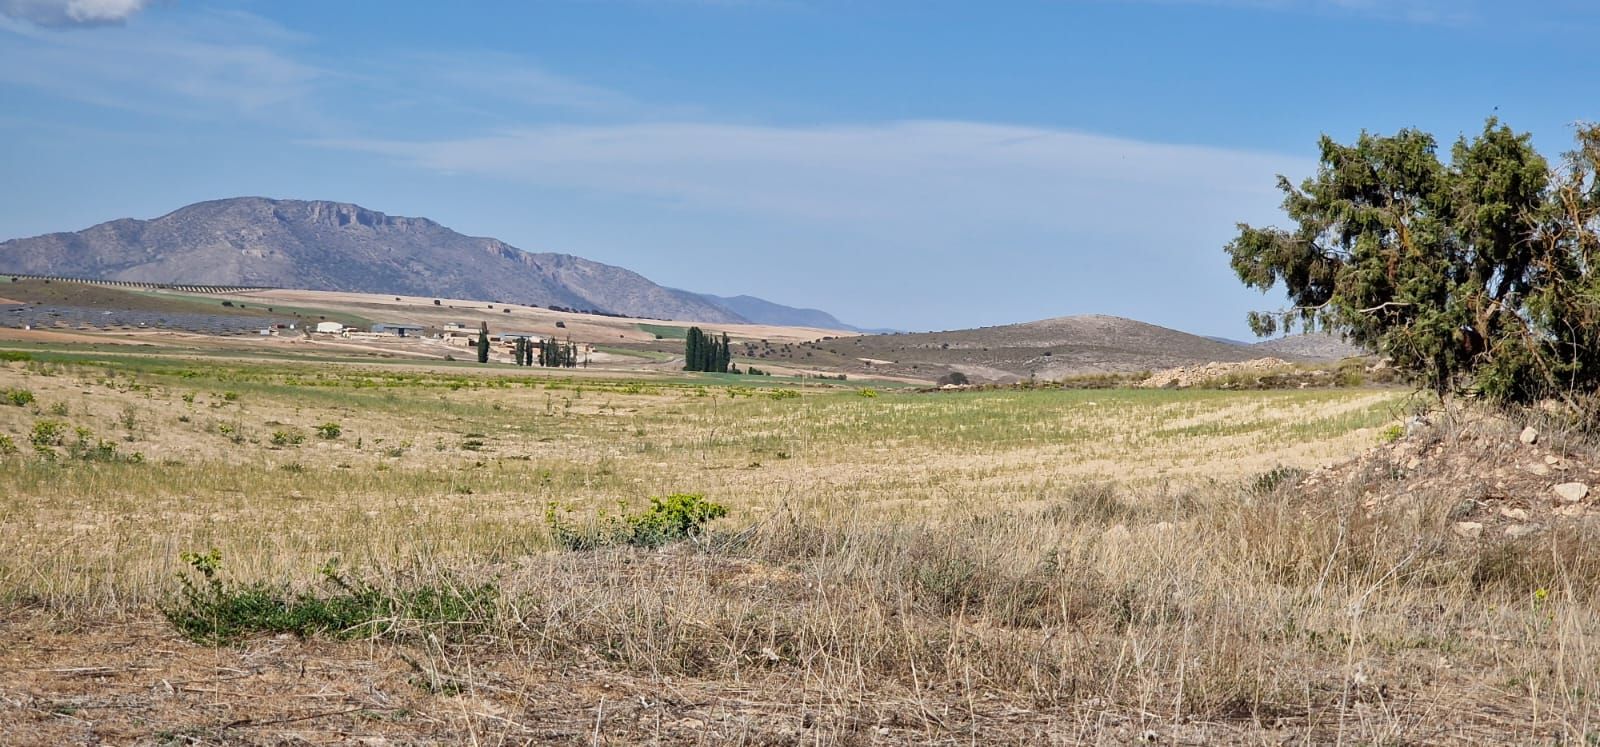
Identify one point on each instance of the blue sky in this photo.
(918, 164)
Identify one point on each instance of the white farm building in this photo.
(329, 328)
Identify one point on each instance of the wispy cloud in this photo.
(927, 179)
(1411, 11)
(71, 13)
(221, 64)
(233, 60)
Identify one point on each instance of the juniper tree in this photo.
(1477, 274)
(483, 342)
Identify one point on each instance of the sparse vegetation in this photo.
(918, 552)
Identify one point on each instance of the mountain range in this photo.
(335, 246)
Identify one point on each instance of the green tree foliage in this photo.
(1478, 274)
(483, 342)
(553, 354)
(704, 352)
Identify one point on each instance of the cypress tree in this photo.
(691, 350)
(724, 354)
(483, 342)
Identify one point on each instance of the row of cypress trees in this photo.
(554, 354)
(551, 354)
(704, 352)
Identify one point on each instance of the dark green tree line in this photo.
(704, 352)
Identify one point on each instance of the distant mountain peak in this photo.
(342, 246)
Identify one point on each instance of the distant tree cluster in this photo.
(1479, 275)
(554, 354)
(523, 351)
(704, 352)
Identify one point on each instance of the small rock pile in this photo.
(1499, 481)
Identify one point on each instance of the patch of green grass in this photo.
(665, 332)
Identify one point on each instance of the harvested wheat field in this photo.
(259, 552)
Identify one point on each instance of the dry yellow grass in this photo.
(996, 567)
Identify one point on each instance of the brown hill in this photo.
(1308, 346)
(342, 247)
(1047, 349)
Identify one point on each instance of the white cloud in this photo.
(929, 179)
(67, 13)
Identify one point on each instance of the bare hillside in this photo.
(1308, 346)
(1050, 348)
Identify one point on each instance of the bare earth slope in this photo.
(342, 247)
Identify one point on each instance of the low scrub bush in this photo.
(288, 437)
(18, 397)
(329, 431)
(212, 611)
(671, 519)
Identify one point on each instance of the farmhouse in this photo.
(512, 337)
(398, 330)
(329, 328)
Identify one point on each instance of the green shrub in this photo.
(1277, 477)
(14, 356)
(869, 393)
(329, 431)
(18, 397)
(7, 445)
(671, 519)
(47, 434)
(211, 611)
(288, 437)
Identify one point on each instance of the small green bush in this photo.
(288, 437)
(211, 611)
(47, 434)
(1277, 477)
(869, 393)
(18, 397)
(7, 445)
(329, 431)
(671, 519)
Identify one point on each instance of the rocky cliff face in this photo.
(337, 246)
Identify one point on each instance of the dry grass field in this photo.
(1028, 567)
